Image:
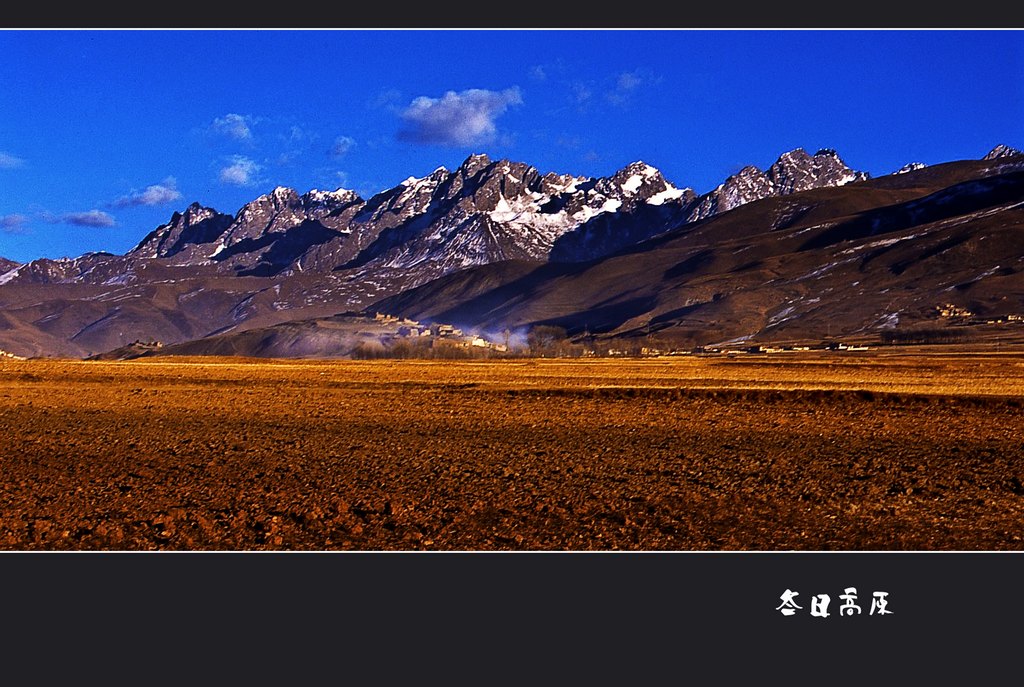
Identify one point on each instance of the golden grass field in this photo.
(809, 451)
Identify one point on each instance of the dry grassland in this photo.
(789, 452)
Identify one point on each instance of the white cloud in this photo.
(627, 81)
(550, 71)
(627, 84)
(233, 125)
(580, 92)
(8, 161)
(241, 172)
(12, 224)
(157, 194)
(342, 144)
(457, 119)
(91, 218)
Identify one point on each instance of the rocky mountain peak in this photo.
(474, 164)
(1001, 150)
(910, 167)
(797, 171)
(637, 172)
(553, 184)
(479, 184)
(638, 182)
(792, 172)
(194, 213)
(745, 175)
(502, 181)
(484, 210)
(797, 156)
(266, 206)
(412, 197)
(420, 191)
(433, 179)
(745, 186)
(638, 167)
(319, 202)
(281, 196)
(197, 224)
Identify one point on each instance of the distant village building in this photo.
(950, 310)
(448, 330)
(1005, 318)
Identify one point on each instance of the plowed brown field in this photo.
(807, 452)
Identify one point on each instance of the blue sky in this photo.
(103, 134)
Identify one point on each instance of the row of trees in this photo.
(423, 350)
(542, 340)
(922, 336)
(548, 341)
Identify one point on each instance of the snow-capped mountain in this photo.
(202, 235)
(793, 172)
(286, 255)
(910, 167)
(1002, 150)
(88, 268)
(487, 211)
(482, 212)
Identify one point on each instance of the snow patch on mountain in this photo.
(910, 167)
(632, 184)
(11, 274)
(670, 193)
